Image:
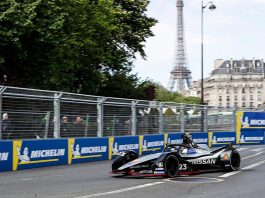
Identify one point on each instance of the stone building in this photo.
(234, 83)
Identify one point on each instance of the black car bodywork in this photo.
(177, 159)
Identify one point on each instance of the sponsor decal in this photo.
(32, 154)
(151, 143)
(204, 161)
(251, 139)
(4, 156)
(200, 140)
(86, 149)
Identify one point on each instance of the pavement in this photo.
(93, 180)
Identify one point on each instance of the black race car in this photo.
(178, 159)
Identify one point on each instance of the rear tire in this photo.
(171, 166)
(235, 160)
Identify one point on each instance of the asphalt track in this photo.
(93, 180)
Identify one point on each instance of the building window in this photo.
(227, 98)
(243, 90)
(259, 97)
(235, 90)
(258, 64)
(228, 91)
(228, 104)
(243, 97)
(235, 104)
(243, 104)
(251, 97)
(251, 104)
(227, 65)
(220, 104)
(235, 97)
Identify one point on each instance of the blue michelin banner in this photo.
(221, 138)
(200, 138)
(87, 149)
(39, 153)
(173, 138)
(252, 136)
(151, 144)
(6, 158)
(253, 119)
(118, 144)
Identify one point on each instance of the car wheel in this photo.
(172, 166)
(235, 160)
(121, 160)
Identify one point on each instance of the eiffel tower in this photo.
(180, 73)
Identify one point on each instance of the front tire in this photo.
(121, 160)
(171, 166)
(235, 160)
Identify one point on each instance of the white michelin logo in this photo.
(76, 151)
(245, 123)
(24, 157)
(115, 149)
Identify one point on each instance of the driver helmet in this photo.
(186, 138)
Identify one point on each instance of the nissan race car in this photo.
(178, 159)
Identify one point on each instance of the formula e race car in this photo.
(178, 159)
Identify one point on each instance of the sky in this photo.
(236, 29)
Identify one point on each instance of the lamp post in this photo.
(211, 7)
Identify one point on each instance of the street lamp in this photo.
(211, 7)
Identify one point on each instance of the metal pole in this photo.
(86, 125)
(100, 116)
(205, 119)
(47, 122)
(182, 121)
(234, 118)
(161, 123)
(133, 121)
(202, 94)
(57, 123)
(1, 116)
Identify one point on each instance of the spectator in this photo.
(6, 127)
(66, 127)
(79, 128)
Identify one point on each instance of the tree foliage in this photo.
(72, 45)
(162, 94)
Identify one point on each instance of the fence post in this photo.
(100, 116)
(161, 118)
(133, 121)
(234, 119)
(56, 106)
(182, 118)
(205, 109)
(47, 122)
(86, 125)
(2, 89)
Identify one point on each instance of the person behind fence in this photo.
(66, 127)
(6, 127)
(79, 128)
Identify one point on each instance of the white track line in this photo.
(258, 149)
(252, 155)
(241, 149)
(243, 169)
(121, 190)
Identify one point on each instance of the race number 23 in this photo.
(183, 167)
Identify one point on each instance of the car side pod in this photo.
(123, 158)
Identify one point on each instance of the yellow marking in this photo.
(165, 139)
(16, 145)
(111, 142)
(83, 157)
(141, 139)
(38, 161)
(71, 143)
(238, 126)
(210, 136)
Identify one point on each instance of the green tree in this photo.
(71, 45)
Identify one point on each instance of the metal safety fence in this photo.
(30, 113)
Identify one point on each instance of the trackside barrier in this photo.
(26, 154)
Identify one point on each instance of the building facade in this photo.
(234, 83)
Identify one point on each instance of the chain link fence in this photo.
(30, 113)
